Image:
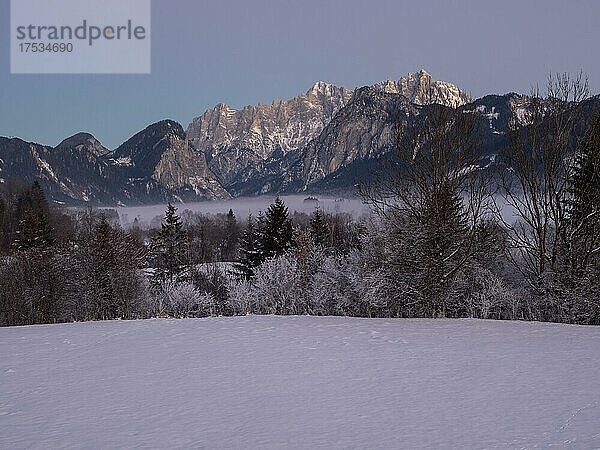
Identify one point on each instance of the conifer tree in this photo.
(319, 228)
(586, 179)
(104, 257)
(34, 198)
(34, 230)
(231, 237)
(277, 234)
(250, 253)
(169, 249)
(3, 224)
(111, 265)
(584, 217)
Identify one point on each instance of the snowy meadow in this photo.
(300, 382)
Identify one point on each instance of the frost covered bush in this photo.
(213, 281)
(239, 293)
(274, 289)
(178, 299)
(490, 297)
(342, 288)
(281, 285)
(310, 284)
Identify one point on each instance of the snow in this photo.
(122, 161)
(300, 382)
(42, 164)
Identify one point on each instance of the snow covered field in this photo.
(300, 382)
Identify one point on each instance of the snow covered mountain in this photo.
(361, 132)
(251, 150)
(420, 88)
(159, 164)
(73, 171)
(235, 141)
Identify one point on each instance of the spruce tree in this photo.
(169, 249)
(277, 233)
(32, 199)
(250, 252)
(586, 178)
(319, 228)
(110, 265)
(34, 231)
(584, 214)
(230, 239)
(33, 211)
(3, 224)
(104, 257)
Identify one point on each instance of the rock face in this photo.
(24, 161)
(420, 88)
(239, 143)
(159, 164)
(362, 131)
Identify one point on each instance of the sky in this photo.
(249, 51)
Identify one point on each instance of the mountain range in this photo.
(325, 140)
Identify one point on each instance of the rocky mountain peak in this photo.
(145, 148)
(324, 89)
(167, 126)
(160, 157)
(422, 89)
(83, 142)
(242, 144)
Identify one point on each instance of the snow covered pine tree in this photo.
(168, 249)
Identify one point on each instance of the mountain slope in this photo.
(159, 164)
(156, 165)
(362, 130)
(241, 140)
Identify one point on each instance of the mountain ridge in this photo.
(326, 139)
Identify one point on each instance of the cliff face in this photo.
(420, 88)
(158, 163)
(238, 142)
(363, 130)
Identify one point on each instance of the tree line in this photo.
(446, 237)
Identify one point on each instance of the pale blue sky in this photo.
(248, 51)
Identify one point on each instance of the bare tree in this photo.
(537, 184)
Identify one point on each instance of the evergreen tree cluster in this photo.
(267, 237)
